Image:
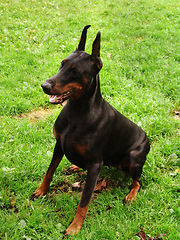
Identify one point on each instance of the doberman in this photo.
(89, 131)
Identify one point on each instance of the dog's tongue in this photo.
(53, 99)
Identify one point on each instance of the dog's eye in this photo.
(62, 63)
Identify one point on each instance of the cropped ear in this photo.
(96, 45)
(96, 61)
(82, 41)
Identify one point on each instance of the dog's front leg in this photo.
(91, 180)
(44, 187)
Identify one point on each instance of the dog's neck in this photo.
(88, 98)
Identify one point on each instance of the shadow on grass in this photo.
(109, 180)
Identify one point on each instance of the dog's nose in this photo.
(46, 86)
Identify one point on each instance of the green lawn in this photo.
(140, 77)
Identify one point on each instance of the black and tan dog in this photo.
(88, 131)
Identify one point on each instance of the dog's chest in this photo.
(74, 144)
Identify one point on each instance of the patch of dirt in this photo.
(176, 114)
(36, 115)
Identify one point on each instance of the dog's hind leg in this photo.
(137, 159)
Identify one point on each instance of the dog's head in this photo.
(76, 72)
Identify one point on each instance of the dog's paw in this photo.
(128, 199)
(73, 229)
(136, 185)
(40, 191)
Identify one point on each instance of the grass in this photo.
(140, 77)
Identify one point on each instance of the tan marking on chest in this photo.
(80, 148)
(85, 81)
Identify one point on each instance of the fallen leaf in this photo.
(60, 227)
(73, 168)
(161, 235)
(177, 112)
(101, 186)
(177, 171)
(13, 201)
(139, 39)
(108, 207)
(22, 223)
(76, 185)
(109, 55)
(141, 234)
